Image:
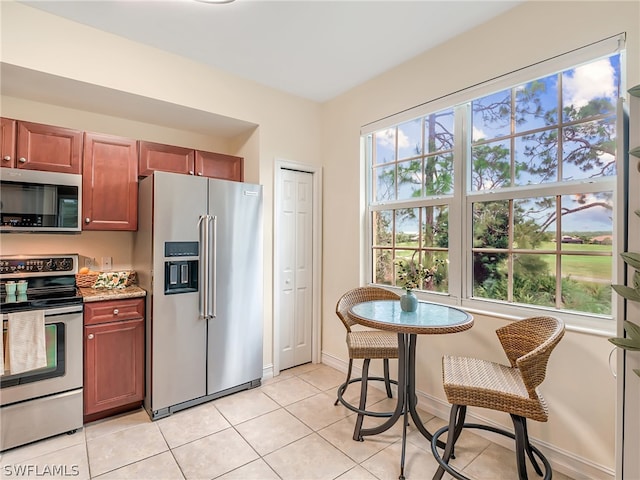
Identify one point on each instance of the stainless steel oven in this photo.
(47, 401)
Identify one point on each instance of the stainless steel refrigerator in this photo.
(198, 253)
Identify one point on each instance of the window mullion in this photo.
(459, 253)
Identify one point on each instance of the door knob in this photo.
(6, 158)
(87, 220)
(90, 336)
(22, 160)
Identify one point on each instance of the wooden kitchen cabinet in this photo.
(168, 158)
(34, 146)
(113, 357)
(8, 137)
(45, 147)
(219, 165)
(165, 158)
(109, 183)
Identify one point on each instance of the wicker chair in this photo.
(366, 345)
(511, 389)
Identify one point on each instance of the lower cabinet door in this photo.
(113, 365)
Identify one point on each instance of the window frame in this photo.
(460, 202)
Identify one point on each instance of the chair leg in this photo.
(456, 423)
(520, 436)
(529, 450)
(346, 383)
(387, 382)
(523, 446)
(363, 400)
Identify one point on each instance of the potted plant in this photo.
(412, 275)
(632, 341)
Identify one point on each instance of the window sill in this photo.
(574, 322)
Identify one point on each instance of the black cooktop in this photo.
(42, 293)
(18, 303)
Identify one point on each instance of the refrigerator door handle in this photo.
(203, 231)
(214, 269)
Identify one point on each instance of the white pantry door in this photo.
(295, 261)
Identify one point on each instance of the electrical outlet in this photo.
(88, 262)
(106, 264)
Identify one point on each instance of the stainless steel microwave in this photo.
(37, 201)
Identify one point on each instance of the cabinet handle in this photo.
(90, 336)
(22, 160)
(87, 220)
(6, 158)
(116, 311)
(200, 173)
(190, 172)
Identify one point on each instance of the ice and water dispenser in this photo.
(180, 275)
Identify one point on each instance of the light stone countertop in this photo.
(100, 294)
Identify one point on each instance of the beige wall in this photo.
(287, 126)
(580, 389)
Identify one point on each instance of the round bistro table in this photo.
(428, 319)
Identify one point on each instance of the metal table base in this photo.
(407, 399)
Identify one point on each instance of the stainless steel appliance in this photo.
(47, 401)
(198, 252)
(36, 201)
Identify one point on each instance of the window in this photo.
(412, 165)
(525, 176)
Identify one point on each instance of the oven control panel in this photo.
(58, 264)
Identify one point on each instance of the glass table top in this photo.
(387, 315)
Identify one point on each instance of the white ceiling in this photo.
(313, 49)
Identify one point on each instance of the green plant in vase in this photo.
(412, 275)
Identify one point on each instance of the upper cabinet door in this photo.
(44, 147)
(8, 147)
(166, 158)
(218, 165)
(109, 183)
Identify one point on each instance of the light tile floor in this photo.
(286, 429)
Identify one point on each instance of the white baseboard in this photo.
(561, 461)
(267, 371)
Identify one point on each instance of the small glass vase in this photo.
(409, 302)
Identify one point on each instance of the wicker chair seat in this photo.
(372, 344)
(480, 383)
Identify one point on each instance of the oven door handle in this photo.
(51, 312)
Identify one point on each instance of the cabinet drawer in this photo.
(113, 311)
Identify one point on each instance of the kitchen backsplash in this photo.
(93, 245)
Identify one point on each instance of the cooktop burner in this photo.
(38, 282)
